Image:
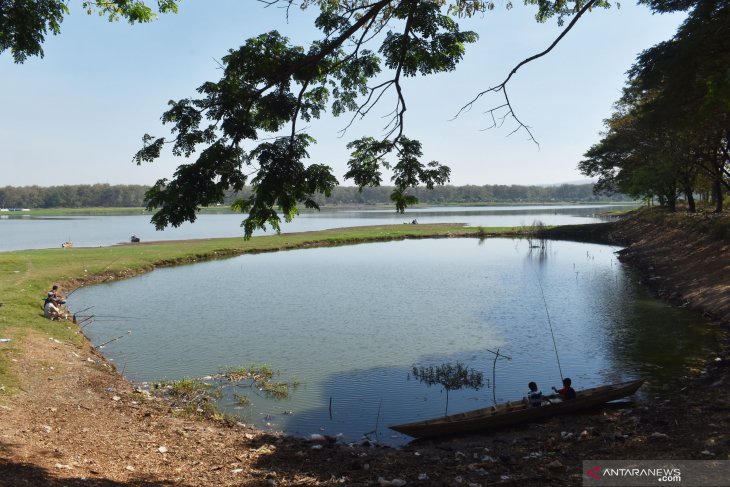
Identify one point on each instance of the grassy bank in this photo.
(26, 276)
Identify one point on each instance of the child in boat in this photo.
(534, 397)
(567, 392)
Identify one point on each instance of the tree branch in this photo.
(502, 86)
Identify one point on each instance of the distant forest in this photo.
(105, 195)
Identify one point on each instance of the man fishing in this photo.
(55, 296)
(52, 304)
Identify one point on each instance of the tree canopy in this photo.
(246, 127)
(24, 24)
(669, 134)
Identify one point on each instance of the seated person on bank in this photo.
(50, 310)
(534, 396)
(566, 392)
(55, 296)
(52, 304)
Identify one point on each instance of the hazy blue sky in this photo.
(77, 116)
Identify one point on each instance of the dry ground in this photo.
(78, 423)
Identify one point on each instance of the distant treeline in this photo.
(490, 193)
(129, 195)
(73, 196)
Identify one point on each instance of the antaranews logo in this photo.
(594, 472)
(646, 473)
(658, 474)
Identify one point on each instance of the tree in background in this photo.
(670, 130)
(73, 196)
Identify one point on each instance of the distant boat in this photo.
(67, 245)
(514, 412)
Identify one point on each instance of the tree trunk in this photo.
(690, 201)
(689, 195)
(717, 195)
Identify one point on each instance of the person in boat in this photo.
(567, 392)
(534, 397)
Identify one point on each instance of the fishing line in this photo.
(114, 339)
(555, 346)
(109, 316)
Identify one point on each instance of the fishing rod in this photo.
(86, 321)
(109, 316)
(73, 291)
(78, 315)
(108, 321)
(114, 339)
(104, 270)
(555, 346)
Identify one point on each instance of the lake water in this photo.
(350, 322)
(19, 232)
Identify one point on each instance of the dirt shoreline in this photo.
(77, 422)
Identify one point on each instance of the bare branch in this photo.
(367, 105)
(502, 86)
(401, 99)
(398, 114)
(296, 113)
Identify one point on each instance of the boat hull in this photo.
(514, 412)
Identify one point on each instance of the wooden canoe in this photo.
(514, 412)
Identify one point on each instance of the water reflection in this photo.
(350, 322)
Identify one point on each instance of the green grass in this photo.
(26, 276)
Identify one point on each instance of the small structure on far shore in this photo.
(134, 239)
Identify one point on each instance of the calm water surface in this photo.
(349, 323)
(18, 233)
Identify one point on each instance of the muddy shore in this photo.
(76, 422)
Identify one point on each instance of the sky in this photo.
(77, 116)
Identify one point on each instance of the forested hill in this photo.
(105, 195)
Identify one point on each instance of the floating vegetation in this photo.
(198, 396)
(193, 397)
(242, 400)
(258, 378)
